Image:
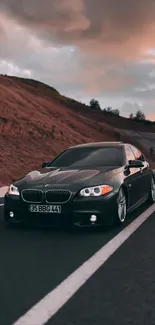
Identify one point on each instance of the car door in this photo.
(133, 180)
(145, 179)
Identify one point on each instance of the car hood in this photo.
(66, 178)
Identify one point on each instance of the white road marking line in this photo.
(1, 204)
(52, 302)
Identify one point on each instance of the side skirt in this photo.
(138, 204)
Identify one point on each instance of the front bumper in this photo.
(76, 212)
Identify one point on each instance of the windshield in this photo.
(89, 157)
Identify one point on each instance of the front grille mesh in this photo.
(35, 196)
(57, 196)
(50, 196)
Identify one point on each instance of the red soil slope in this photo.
(37, 123)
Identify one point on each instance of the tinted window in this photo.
(129, 154)
(89, 157)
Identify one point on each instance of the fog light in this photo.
(11, 214)
(93, 218)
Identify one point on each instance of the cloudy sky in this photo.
(103, 49)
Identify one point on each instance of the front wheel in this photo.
(121, 211)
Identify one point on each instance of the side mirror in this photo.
(44, 164)
(135, 164)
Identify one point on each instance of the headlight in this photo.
(96, 190)
(13, 190)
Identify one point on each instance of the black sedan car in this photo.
(91, 184)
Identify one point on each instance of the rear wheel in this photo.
(121, 212)
(151, 198)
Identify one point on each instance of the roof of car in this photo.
(99, 144)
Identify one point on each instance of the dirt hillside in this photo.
(37, 123)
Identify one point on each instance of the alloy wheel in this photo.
(121, 206)
(153, 190)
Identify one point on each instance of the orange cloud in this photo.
(114, 28)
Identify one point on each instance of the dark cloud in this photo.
(110, 22)
(111, 40)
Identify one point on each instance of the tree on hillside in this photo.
(94, 104)
(108, 109)
(112, 111)
(116, 111)
(140, 116)
(131, 116)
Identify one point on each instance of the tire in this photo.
(121, 211)
(151, 198)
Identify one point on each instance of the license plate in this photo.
(45, 208)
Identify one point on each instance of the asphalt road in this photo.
(34, 262)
